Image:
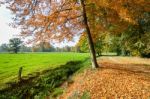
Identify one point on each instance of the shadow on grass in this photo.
(40, 84)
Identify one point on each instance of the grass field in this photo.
(33, 62)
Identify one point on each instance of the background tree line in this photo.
(16, 45)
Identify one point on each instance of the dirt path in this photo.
(119, 78)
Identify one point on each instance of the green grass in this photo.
(33, 62)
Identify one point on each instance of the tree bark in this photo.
(89, 37)
(141, 32)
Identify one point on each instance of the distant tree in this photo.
(99, 46)
(43, 47)
(98, 43)
(15, 44)
(34, 49)
(67, 49)
(5, 48)
(25, 48)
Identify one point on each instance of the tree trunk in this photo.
(141, 32)
(15, 51)
(89, 37)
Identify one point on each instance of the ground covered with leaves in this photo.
(118, 77)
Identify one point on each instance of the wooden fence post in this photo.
(19, 74)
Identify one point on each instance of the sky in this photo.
(7, 32)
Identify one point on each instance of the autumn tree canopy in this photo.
(47, 19)
(128, 20)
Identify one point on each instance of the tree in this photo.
(52, 19)
(138, 46)
(98, 43)
(43, 47)
(89, 36)
(5, 47)
(15, 44)
(25, 48)
(83, 43)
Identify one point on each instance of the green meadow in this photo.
(33, 62)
